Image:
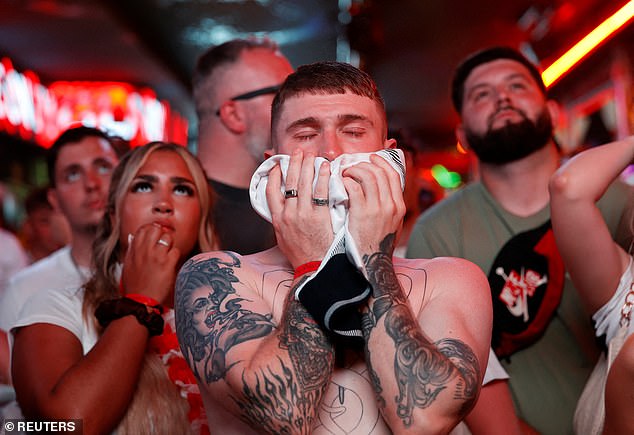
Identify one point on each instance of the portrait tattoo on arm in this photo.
(211, 319)
(422, 369)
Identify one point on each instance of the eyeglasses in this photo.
(253, 94)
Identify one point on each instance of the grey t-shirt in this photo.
(547, 377)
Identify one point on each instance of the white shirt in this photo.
(61, 307)
(607, 318)
(55, 272)
(12, 258)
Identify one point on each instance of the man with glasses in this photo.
(234, 84)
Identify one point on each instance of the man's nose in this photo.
(502, 95)
(330, 147)
(92, 180)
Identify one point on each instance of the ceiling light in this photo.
(588, 43)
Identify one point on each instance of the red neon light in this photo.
(35, 112)
(586, 45)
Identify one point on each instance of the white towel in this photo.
(338, 204)
(338, 197)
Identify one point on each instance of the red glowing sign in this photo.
(36, 112)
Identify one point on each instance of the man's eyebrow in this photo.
(103, 161)
(477, 86)
(73, 167)
(310, 121)
(512, 76)
(352, 117)
(519, 75)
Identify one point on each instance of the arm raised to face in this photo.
(579, 226)
(270, 375)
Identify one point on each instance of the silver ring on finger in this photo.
(290, 193)
(162, 242)
(320, 201)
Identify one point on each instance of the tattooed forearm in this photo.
(380, 270)
(275, 405)
(386, 289)
(287, 400)
(369, 320)
(422, 369)
(281, 393)
(310, 351)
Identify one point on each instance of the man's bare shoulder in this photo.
(456, 301)
(437, 264)
(245, 265)
(267, 274)
(451, 274)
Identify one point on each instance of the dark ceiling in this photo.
(409, 46)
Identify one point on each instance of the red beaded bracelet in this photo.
(311, 266)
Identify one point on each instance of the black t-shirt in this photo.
(237, 226)
(527, 282)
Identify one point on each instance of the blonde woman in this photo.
(107, 353)
(601, 270)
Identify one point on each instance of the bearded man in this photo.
(501, 222)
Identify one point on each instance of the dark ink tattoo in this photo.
(467, 364)
(421, 372)
(368, 322)
(380, 270)
(310, 351)
(289, 402)
(422, 369)
(273, 403)
(210, 319)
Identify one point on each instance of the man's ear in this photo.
(389, 144)
(554, 111)
(232, 116)
(273, 150)
(51, 195)
(461, 136)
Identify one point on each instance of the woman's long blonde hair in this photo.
(157, 406)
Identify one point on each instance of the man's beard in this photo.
(513, 141)
(257, 142)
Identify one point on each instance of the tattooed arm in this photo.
(426, 367)
(271, 376)
(267, 365)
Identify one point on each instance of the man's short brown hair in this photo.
(325, 78)
(215, 58)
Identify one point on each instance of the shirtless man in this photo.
(263, 363)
